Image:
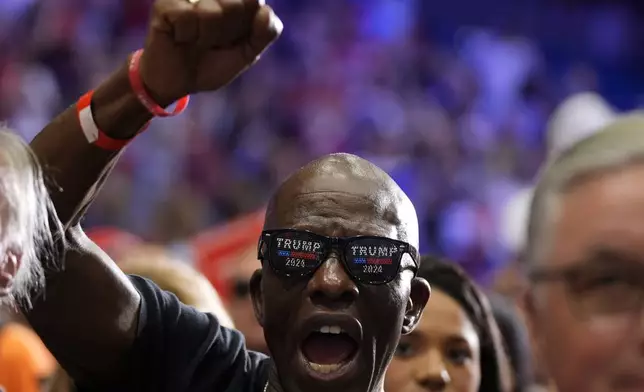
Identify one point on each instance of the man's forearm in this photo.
(89, 312)
(97, 302)
(75, 168)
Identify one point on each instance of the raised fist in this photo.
(202, 45)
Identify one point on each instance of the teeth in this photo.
(325, 369)
(332, 329)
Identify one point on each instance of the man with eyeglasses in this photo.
(585, 262)
(338, 253)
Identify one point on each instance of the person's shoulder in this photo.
(143, 285)
(180, 348)
(247, 371)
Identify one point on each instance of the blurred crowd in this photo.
(455, 114)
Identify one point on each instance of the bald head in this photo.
(347, 195)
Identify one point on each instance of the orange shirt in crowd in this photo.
(25, 362)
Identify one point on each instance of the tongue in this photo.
(328, 349)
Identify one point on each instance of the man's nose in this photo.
(433, 376)
(331, 287)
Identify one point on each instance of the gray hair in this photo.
(576, 118)
(615, 146)
(25, 212)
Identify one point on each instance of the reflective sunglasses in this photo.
(367, 259)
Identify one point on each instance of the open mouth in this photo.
(329, 348)
(330, 345)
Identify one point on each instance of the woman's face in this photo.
(442, 354)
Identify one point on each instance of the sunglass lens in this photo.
(373, 260)
(296, 253)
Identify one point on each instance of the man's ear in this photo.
(257, 296)
(418, 297)
(9, 266)
(528, 304)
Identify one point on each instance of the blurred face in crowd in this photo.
(326, 328)
(9, 255)
(240, 305)
(24, 221)
(441, 354)
(585, 306)
(9, 264)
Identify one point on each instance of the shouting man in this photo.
(337, 283)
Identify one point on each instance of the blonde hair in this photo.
(26, 216)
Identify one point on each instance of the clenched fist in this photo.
(202, 45)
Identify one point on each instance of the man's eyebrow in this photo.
(602, 256)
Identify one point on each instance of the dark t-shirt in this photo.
(179, 349)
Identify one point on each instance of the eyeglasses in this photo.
(367, 259)
(600, 293)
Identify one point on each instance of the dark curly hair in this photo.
(451, 280)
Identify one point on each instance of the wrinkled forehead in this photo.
(615, 199)
(345, 207)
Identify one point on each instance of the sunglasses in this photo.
(367, 259)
